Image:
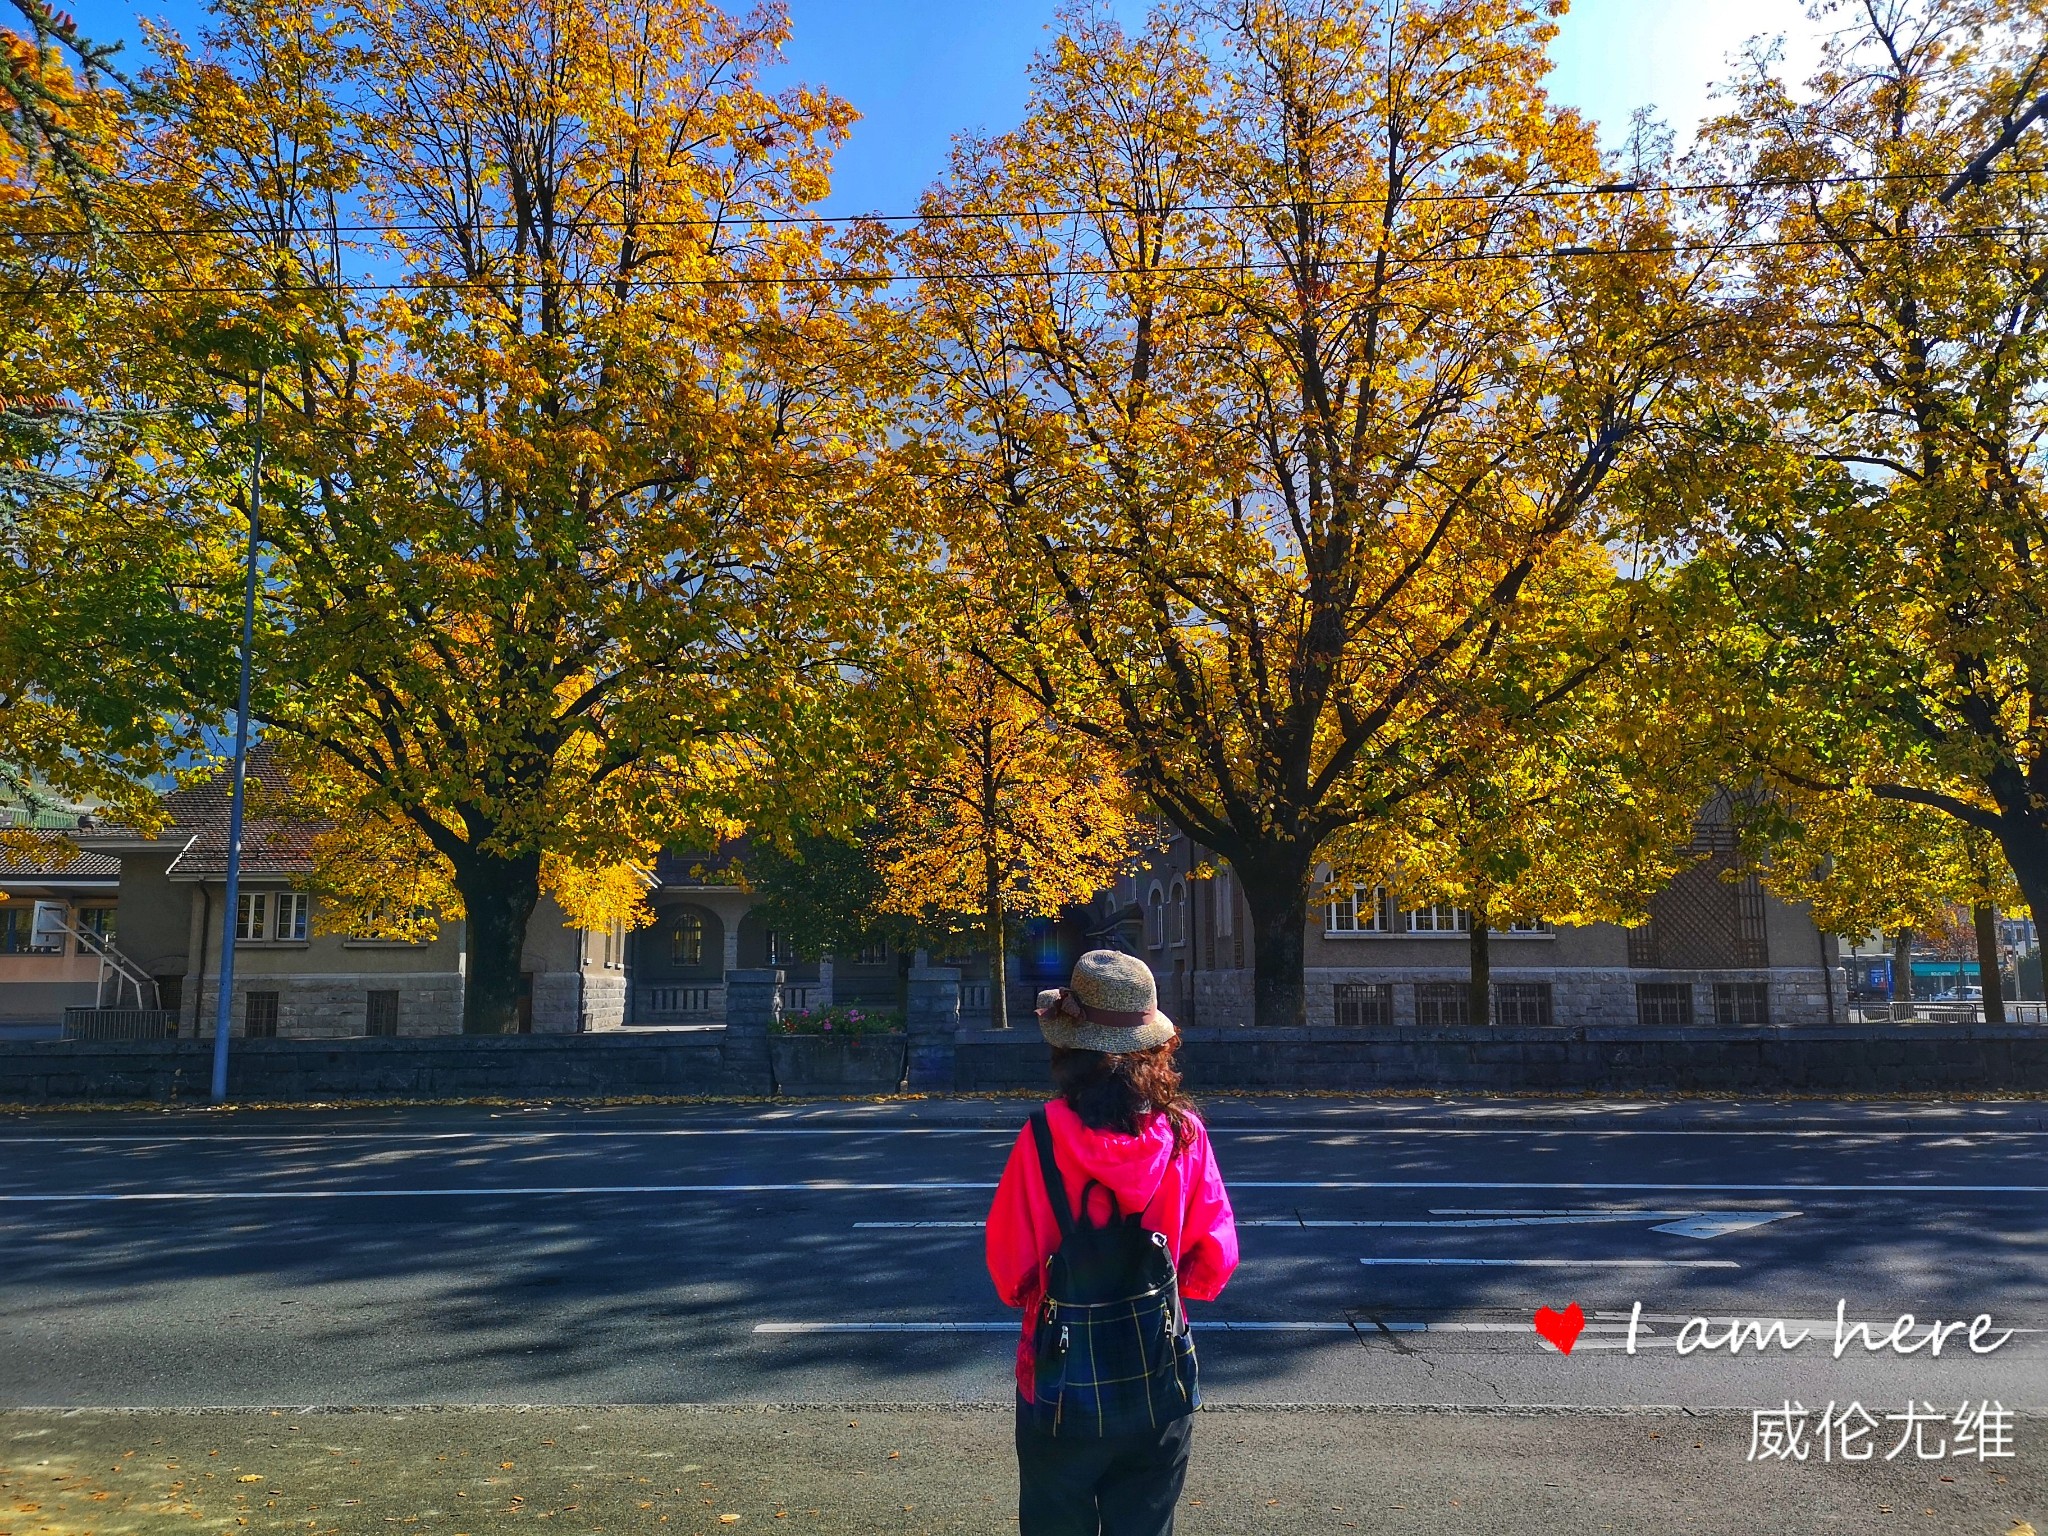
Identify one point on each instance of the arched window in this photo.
(1179, 914)
(1155, 918)
(686, 939)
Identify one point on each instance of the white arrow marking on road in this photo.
(1706, 1224)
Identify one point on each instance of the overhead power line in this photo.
(995, 215)
(883, 279)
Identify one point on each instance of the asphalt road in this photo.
(1393, 1254)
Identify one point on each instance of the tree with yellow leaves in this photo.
(1015, 817)
(1578, 815)
(1270, 359)
(563, 549)
(1872, 516)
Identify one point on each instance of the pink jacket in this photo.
(1190, 1207)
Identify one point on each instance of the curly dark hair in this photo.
(1115, 1093)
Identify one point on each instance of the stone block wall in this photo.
(1847, 1059)
(558, 1002)
(1223, 999)
(1582, 997)
(604, 999)
(335, 1007)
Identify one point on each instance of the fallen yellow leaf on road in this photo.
(250, 1477)
(727, 1519)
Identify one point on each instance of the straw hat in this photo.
(1110, 1005)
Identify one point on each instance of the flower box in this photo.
(837, 1063)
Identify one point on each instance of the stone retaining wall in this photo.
(712, 1060)
(673, 1062)
(1846, 1059)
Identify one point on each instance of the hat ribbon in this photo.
(1114, 1018)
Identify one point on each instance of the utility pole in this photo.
(224, 1004)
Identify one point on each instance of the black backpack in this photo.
(1112, 1351)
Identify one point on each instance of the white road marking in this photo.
(836, 1186)
(1559, 1263)
(823, 1186)
(918, 1226)
(1010, 1327)
(1697, 1224)
(1601, 1185)
(323, 1137)
(1362, 1326)
(1711, 1224)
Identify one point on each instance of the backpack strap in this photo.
(1049, 1166)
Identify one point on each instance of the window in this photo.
(874, 952)
(1364, 1005)
(252, 915)
(17, 930)
(780, 950)
(1180, 913)
(1439, 920)
(290, 922)
(686, 939)
(1741, 1004)
(1226, 905)
(99, 923)
(1364, 909)
(383, 1014)
(615, 943)
(259, 1015)
(1523, 1004)
(1155, 918)
(1664, 1004)
(1538, 926)
(1442, 1004)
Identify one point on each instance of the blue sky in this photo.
(920, 71)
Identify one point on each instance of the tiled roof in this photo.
(21, 864)
(271, 845)
(693, 866)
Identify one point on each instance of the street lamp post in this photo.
(224, 1004)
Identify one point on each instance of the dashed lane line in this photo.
(1499, 1263)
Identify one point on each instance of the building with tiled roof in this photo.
(295, 974)
(44, 972)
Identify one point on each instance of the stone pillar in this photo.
(932, 1018)
(824, 994)
(753, 1006)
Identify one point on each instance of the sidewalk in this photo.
(1295, 1111)
(947, 1471)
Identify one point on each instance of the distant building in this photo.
(294, 977)
(42, 974)
(1714, 952)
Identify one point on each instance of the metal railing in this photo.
(2032, 1011)
(693, 1003)
(120, 1024)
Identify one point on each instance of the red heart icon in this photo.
(1561, 1328)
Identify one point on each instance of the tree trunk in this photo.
(998, 951)
(2025, 842)
(1277, 895)
(498, 897)
(1902, 966)
(1989, 977)
(1479, 1007)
